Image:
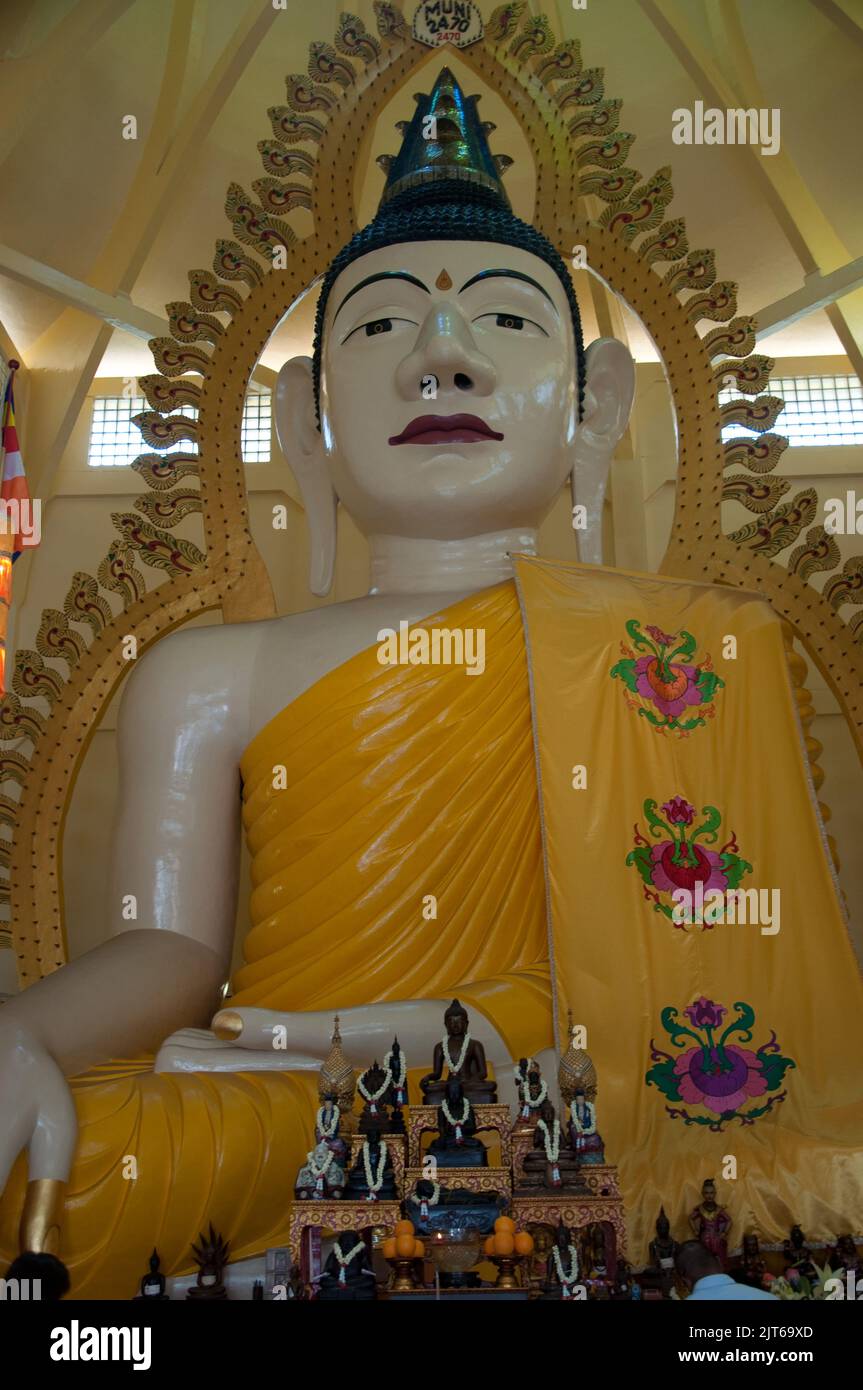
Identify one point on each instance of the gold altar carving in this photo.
(422, 1120)
(548, 1209)
(587, 194)
(472, 1179)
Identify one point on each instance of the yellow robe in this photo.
(410, 783)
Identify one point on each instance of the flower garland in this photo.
(451, 1119)
(328, 1131)
(531, 1102)
(552, 1148)
(432, 1201)
(374, 1097)
(566, 1280)
(455, 1069)
(519, 1077)
(589, 1125)
(375, 1183)
(399, 1082)
(344, 1260)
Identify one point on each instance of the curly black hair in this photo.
(447, 210)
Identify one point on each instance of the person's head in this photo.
(708, 1190)
(449, 376)
(694, 1261)
(52, 1274)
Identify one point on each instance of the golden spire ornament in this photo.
(576, 1071)
(336, 1076)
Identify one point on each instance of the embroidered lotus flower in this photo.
(705, 1014)
(717, 1076)
(664, 681)
(679, 861)
(679, 811)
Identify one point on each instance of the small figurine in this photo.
(373, 1085)
(583, 1135)
(457, 1145)
(346, 1274)
(562, 1270)
(211, 1255)
(663, 1247)
(396, 1094)
(797, 1255)
(463, 1058)
(321, 1178)
(532, 1091)
(372, 1178)
(551, 1163)
(328, 1127)
(710, 1222)
(844, 1258)
(751, 1270)
(153, 1284)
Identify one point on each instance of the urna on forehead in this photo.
(444, 185)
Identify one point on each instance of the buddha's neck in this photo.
(410, 565)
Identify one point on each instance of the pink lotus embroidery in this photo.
(681, 859)
(664, 681)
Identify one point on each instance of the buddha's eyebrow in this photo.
(381, 275)
(511, 275)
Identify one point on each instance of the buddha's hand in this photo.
(37, 1112)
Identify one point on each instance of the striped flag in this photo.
(17, 530)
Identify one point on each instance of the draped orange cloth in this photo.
(723, 1050)
(402, 783)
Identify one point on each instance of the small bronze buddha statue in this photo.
(372, 1178)
(211, 1254)
(373, 1085)
(346, 1274)
(532, 1091)
(751, 1268)
(797, 1254)
(435, 1206)
(321, 1177)
(563, 1268)
(328, 1127)
(396, 1094)
(462, 1057)
(663, 1247)
(845, 1257)
(583, 1134)
(456, 1145)
(551, 1163)
(153, 1284)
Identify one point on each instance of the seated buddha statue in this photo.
(462, 1057)
(373, 1085)
(563, 1267)
(153, 1284)
(321, 1177)
(532, 1091)
(456, 1145)
(372, 1178)
(346, 1275)
(552, 1163)
(447, 403)
(583, 1134)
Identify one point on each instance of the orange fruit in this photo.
(503, 1243)
(419, 1250)
(523, 1243)
(504, 1223)
(405, 1246)
(488, 1247)
(404, 1228)
(389, 1248)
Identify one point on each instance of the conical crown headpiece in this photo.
(445, 140)
(336, 1076)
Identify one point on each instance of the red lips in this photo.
(445, 429)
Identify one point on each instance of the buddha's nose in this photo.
(445, 351)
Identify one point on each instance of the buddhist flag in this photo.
(17, 530)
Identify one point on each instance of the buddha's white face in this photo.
(488, 329)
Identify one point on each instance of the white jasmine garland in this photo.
(344, 1260)
(570, 1278)
(374, 1183)
(534, 1102)
(552, 1144)
(432, 1201)
(371, 1097)
(521, 1078)
(455, 1067)
(398, 1081)
(450, 1117)
(327, 1131)
(321, 1170)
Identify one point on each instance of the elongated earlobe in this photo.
(302, 445)
(608, 400)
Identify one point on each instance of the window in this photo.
(818, 410)
(116, 441)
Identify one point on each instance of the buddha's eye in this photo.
(375, 328)
(514, 323)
